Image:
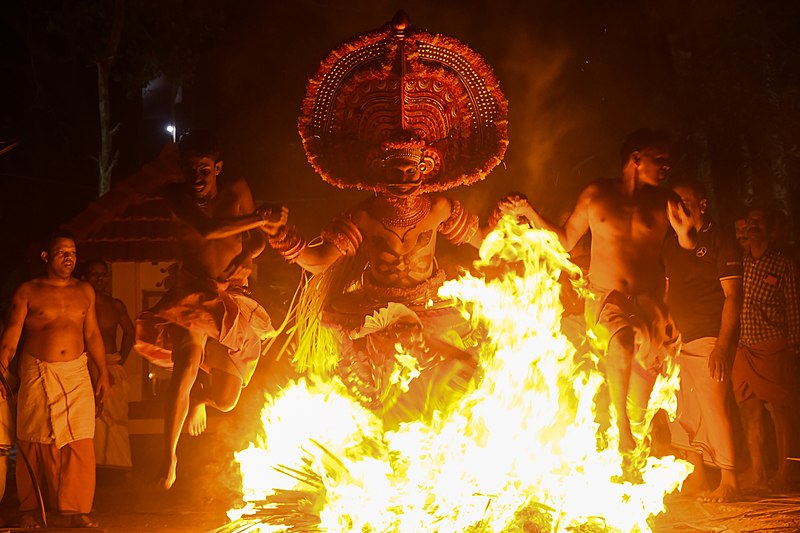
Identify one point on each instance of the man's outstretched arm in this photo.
(186, 209)
(573, 229)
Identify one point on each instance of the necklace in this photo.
(400, 212)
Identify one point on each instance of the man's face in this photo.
(652, 164)
(200, 173)
(695, 205)
(60, 258)
(97, 276)
(740, 225)
(403, 176)
(758, 229)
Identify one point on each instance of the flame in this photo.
(520, 451)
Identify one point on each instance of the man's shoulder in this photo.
(233, 183)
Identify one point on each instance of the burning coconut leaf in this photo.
(520, 452)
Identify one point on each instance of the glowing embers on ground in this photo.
(518, 453)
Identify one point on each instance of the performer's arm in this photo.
(722, 355)
(128, 331)
(573, 229)
(462, 227)
(341, 238)
(93, 341)
(186, 209)
(15, 320)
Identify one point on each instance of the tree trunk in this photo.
(107, 158)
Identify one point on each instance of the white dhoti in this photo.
(112, 447)
(56, 401)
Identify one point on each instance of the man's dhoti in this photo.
(219, 311)
(112, 447)
(702, 424)
(766, 370)
(55, 426)
(656, 337)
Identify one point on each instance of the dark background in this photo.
(721, 77)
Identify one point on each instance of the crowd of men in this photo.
(669, 282)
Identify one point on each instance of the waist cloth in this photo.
(703, 422)
(222, 311)
(655, 335)
(766, 370)
(111, 439)
(56, 401)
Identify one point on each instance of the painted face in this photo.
(61, 258)
(403, 176)
(200, 173)
(653, 164)
(97, 276)
(692, 203)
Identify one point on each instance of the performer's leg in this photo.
(186, 356)
(752, 413)
(618, 375)
(221, 392)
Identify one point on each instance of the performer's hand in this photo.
(517, 205)
(717, 364)
(273, 217)
(102, 388)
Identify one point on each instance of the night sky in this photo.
(722, 78)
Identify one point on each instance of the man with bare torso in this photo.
(111, 441)
(629, 219)
(208, 320)
(55, 316)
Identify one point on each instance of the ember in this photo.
(520, 452)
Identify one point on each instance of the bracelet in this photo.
(288, 242)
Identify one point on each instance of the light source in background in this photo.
(171, 130)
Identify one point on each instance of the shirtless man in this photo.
(55, 316)
(111, 441)
(185, 330)
(629, 219)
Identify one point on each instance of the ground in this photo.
(207, 486)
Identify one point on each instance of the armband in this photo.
(344, 235)
(288, 242)
(461, 226)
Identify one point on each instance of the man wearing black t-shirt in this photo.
(704, 297)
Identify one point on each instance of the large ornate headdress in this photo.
(399, 91)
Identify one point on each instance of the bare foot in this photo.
(196, 421)
(82, 521)
(29, 521)
(169, 474)
(722, 494)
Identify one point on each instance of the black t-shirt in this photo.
(695, 296)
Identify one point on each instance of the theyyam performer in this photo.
(404, 114)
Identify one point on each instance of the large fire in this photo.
(519, 452)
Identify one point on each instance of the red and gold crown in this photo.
(402, 92)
